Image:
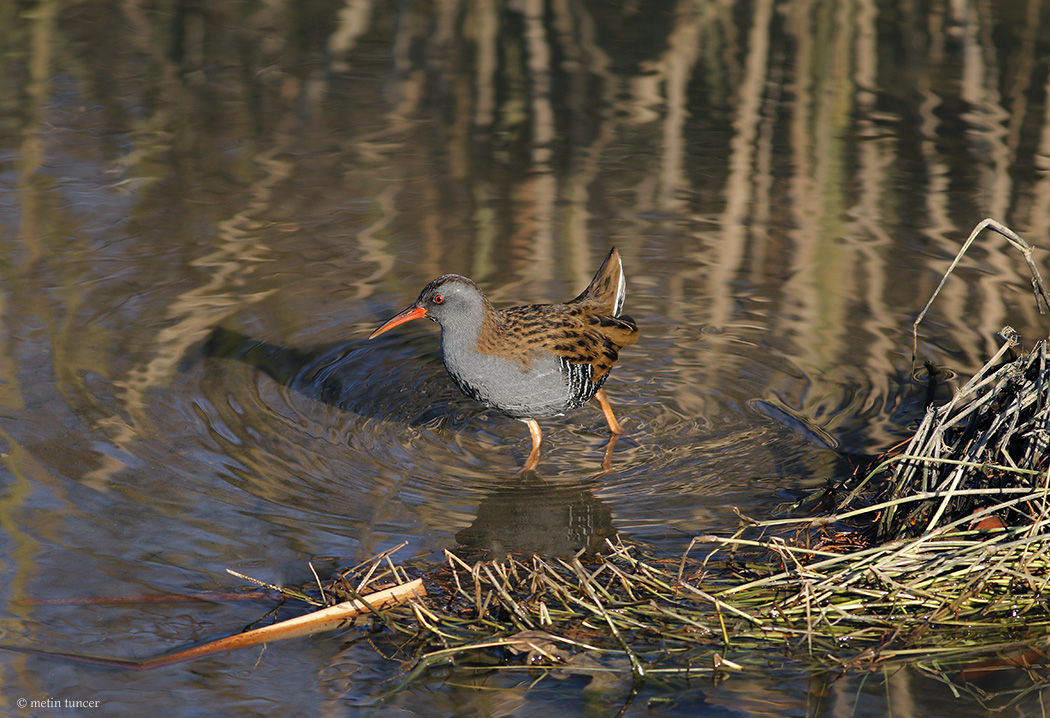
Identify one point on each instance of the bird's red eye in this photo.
(438, 299)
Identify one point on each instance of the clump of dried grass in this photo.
(938, 556)
(982, 456)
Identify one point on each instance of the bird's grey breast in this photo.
(522, 387)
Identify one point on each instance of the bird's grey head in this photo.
(453, 301)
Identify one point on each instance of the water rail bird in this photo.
(533, 361)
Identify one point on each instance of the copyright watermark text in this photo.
(57, 703)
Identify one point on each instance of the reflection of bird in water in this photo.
(531, 515)
(531, 361)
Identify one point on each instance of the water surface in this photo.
(206, 210)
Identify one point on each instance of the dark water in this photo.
(206, 207)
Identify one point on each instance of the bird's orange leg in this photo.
(537, 437)
(614, 425)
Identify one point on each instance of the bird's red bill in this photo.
(408, 315)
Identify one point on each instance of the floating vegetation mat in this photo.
(935, 557)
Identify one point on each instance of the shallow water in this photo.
(204, 212)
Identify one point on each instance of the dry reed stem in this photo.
(1041, 297)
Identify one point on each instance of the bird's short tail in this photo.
(608, 289)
